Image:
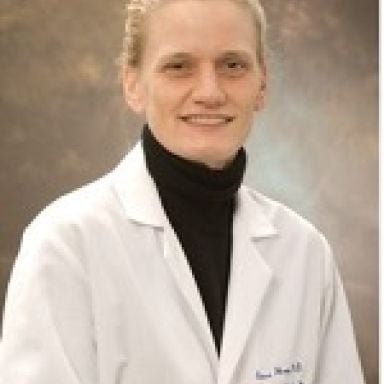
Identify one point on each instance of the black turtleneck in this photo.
(199, 203)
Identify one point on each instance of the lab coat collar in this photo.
(137, 190)
(250, 273)
(252, 213)
(140, 199)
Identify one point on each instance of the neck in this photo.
(192, 179)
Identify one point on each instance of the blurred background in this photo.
(315, 147)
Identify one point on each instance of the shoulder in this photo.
(76, 212)
(102, 209)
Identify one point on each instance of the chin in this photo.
(211, 158)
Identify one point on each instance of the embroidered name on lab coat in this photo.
(288, 372)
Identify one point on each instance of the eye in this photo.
(177, 68)
(233, 66)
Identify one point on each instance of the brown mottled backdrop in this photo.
(315, 147)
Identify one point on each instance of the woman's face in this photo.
(199, 80)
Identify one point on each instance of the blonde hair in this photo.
(138, 10)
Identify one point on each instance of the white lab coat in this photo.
(102, 293)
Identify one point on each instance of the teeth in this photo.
(206, 120)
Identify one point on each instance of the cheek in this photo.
(245, 94)
(158, 105)
(248, 107)
(173, 94)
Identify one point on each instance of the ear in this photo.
(262, 89)
(133, 93)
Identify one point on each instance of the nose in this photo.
(207, 89)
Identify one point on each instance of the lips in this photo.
(207, 119)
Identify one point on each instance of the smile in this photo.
(207, 119)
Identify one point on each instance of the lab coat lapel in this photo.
(185, 281)
(142, 204)
(250, 280)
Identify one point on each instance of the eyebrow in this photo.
(185, 55)
(175, 55)
(239, 52)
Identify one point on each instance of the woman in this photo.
(168, 269)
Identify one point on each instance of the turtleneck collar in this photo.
(189, 179)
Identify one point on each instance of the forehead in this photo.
(199, 26)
